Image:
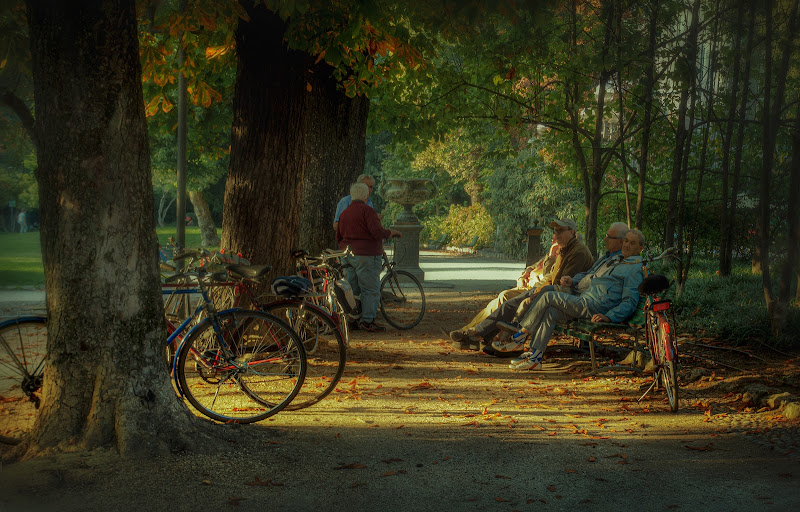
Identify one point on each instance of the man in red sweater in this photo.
(360, 228)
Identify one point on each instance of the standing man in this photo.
(22, 220)
(360, 228)
(344, 202)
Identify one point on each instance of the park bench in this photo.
(586, 330)
(470, 247)
(438, 243)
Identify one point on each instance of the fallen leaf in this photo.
(551, 488)
(503, 476)
(389, 461)
(235, 501)
(389, 473)
(354, 465)
(501, 500)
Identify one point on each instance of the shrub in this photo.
(461, 224)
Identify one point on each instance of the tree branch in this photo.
(22, 111)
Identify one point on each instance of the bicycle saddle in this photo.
(653, 284)
(249, 271)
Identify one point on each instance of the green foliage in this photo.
(461, 224)
(730, 307)
(525, 190)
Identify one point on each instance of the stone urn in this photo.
(407, 192)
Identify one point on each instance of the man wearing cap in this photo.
(573, 257)
(611, 296)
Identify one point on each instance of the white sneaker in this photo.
(529, 363)
(522, 357)
(507, 345)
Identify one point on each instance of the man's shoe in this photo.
(507, 348)
(468, 341)
(488, 350)
(531, 362)
(371, 327)
(458, 335)
(518, 360)
(353, 325)
(509, 326)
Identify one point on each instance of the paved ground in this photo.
(416, 425)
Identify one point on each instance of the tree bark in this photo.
(681, 133)
(649, 86)
(208, 229)
(105, 381)
(268, 144)
(336, 128)
(725, 222)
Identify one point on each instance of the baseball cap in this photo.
(564, 223)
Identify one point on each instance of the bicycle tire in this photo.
(23, 347)
(669, 356)
(326, 351)
(255, 375)
(402, 299)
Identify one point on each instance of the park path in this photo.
(416, 425)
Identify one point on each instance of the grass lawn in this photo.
(21, 256)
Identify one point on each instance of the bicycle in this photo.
(660, 332)
(235, 365)
(320, 333)
(402, 299)
(23, 347)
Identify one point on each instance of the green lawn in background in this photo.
(21, 260)
(21, 256)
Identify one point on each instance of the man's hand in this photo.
(565, 281)
(599, 318)
(395, 233)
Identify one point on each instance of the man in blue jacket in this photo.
(611, 296)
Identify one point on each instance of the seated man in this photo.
(573, 257)
(612, 296)
(531, 277)
(360, 228)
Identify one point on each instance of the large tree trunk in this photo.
(263, 190)
(336, 128)
(208, 229)
(105, 381)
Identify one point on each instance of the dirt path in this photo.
(417, 425)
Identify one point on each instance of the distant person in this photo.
(344, 202)
(360, 228)
(22, 220)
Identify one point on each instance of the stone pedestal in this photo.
(408, 192)
(407, 249)
(534, 245)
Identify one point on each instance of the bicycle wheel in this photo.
(249, 371)
(669, 357)
(326, 351)
(23, 346)
(402, 299)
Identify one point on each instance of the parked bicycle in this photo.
(320, 333)
(402, 298)
(234, 365)
(660, 332)
(23, 346)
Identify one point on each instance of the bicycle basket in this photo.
(344, 295)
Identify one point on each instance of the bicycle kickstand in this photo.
(655, 381)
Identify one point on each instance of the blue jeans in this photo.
(364, 276)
